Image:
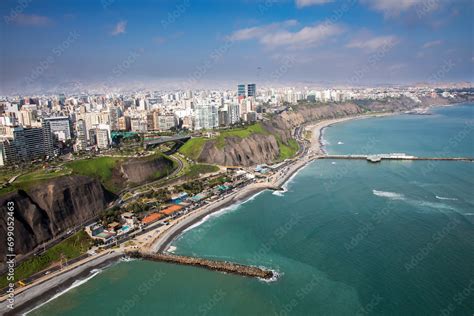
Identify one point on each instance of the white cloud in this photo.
(307, 3)
(119, 28)
(29, 20)
(432, 43)
(259, 31)
(374, 43)
(391, 7)
(277, 34)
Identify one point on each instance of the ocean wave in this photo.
(434, 205)
(340, 143)
(446, 198)
(171, 249)
(221, 212)
(389, 195)
(280, 192)
(76, 283)
(274, 278)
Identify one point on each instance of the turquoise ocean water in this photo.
(347, 237)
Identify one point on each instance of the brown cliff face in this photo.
(140, 171)
(237, 151)
(51, 208)
(260, 148)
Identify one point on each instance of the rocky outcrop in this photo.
(49, 209)
(140, 171)
(223, 266)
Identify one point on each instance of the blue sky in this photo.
(201, 43)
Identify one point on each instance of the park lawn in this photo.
(287, 151)
(193, 147)
(69, 248)
(32, 178)
(101, 168)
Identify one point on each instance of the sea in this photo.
(347, 237)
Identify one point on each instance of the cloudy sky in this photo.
(50, 43)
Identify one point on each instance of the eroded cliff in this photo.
(49, 209)
(265, 147)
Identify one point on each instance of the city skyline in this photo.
(52, 45)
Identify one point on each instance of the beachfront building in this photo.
(97, 232)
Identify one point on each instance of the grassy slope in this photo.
(287, 151)
(241, 133)
(193, 147)
(197, 169)
(35, 177)
(100, 168)
(70, 248)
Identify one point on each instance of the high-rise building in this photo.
(223, 117)
(234, 113)
(102, 138)
(206, 117)
(124, 123)
(59, 126)
(251, 90)
(81, 135)
(241, 93)
(166, 122)
(26, 144)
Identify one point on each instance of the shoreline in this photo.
(165, 239)
(29, 298)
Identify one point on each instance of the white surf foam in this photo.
(446, 198)
(77, 283)
(227, 209)
(389, 195)
(279, 193)
(274, 278)
(171, 249)
(340, 143)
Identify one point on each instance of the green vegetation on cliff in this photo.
(68, 249)
(198, 169)
(243, 132)
(32, 178)
(287, 151)
(101, 168)
(193, 147)
(106, 169)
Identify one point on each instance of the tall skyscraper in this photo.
(59, 126)
(241, 93)
(251, 90)
(81, 133)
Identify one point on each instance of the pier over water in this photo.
(397, 156)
